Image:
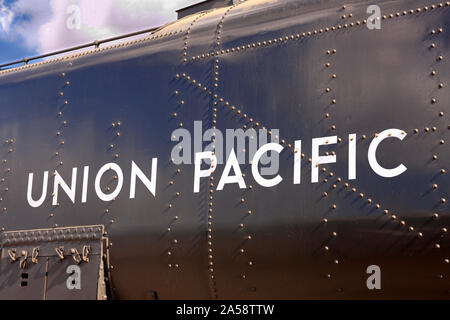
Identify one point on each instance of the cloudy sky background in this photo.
(32, 27)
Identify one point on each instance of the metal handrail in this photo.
(95, 43)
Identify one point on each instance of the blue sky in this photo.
(12, 48)
(32, 27)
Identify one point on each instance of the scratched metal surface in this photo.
(383, 79)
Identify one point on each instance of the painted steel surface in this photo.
(308, 68)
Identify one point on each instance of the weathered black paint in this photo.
(383, 81)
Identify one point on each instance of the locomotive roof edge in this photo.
(75, 55)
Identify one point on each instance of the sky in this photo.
(32, 27)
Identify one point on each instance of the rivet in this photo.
(443, 200)
(386, 211)
(334, 234)
(435, 157)
(443, 171)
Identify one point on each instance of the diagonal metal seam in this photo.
(313, 34)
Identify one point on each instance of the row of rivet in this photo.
(87, 52)
(214, 100)
(434, 100)
(209, 239)
(173, 241)
(62, 123)
(10, 149)
(186, 36)
(328, 91)
(250, 122)
(394, 217)
(303, 35)
(218, 100)
(369, 200)
(112, 148)
(362, 196)
(333, 76)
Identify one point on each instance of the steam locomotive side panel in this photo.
(108, 111)
(316, 71)
(332, 76)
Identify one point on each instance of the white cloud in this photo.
(49, 26)
(6, 18)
